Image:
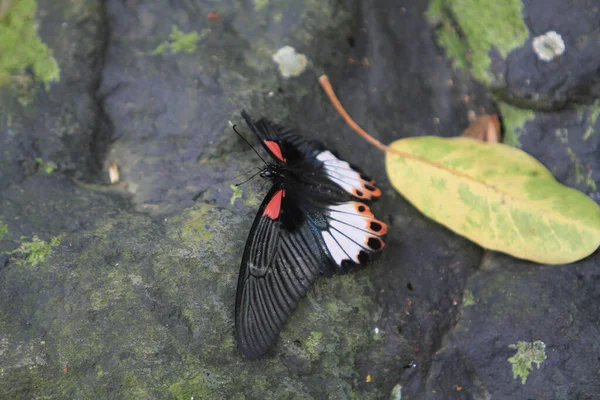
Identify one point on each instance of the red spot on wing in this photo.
(275, 149)
(274, 207)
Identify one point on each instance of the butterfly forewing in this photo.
(312, 221)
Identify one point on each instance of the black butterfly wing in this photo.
(281, 261)
(281, 143)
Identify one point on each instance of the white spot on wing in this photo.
(348, 231)
(356, 235)
(334, 249)
(349, 247)
(344, 175)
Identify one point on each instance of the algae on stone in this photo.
(468, 299)
(36, 251)
(22, 47)
(514, 120)
(179, 42)
(591, 119)
(3, 229)
(46, 166)
(237, 193)
(527, 354)
(482, 25)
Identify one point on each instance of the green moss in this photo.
(3, 229)
(396, 393)
(36, 251)
(260, 4)
(579, 171)
(196, 228)
(22, 47)
(47, 167)
(313, 343)
(179, 42)
(514, 120)
(237, 193)
(483, 25)
(457, 49)
(160, 48)
(591, 119)
(562, 134)
(527, 354)
(468, 299)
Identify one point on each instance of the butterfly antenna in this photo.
(248, 143)
(245, 173)
(241, 183)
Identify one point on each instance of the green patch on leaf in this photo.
(36, 251)
(237, 193)
(527, 354)
(469, 29)
(468, 299)
(179, 42)
(514, 120)
(20, 45)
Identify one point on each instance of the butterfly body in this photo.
(312, 222)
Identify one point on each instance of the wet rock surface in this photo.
(129, 288)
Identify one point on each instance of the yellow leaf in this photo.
(497, 196)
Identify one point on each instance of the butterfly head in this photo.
(271, 171)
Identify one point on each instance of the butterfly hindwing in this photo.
(352, 235)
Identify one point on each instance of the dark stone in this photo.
(572, 78)
(130, 291)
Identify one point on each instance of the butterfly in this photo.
(313, 221)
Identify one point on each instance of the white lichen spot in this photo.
(290, 63)
(548, 46)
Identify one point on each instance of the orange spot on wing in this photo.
(360, 194)
(372, 248)
(273, 209)
(275, 149)
(382, 231)
(363, 209)
(373, 190)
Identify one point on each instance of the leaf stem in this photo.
(324, 81)
(326, 85)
